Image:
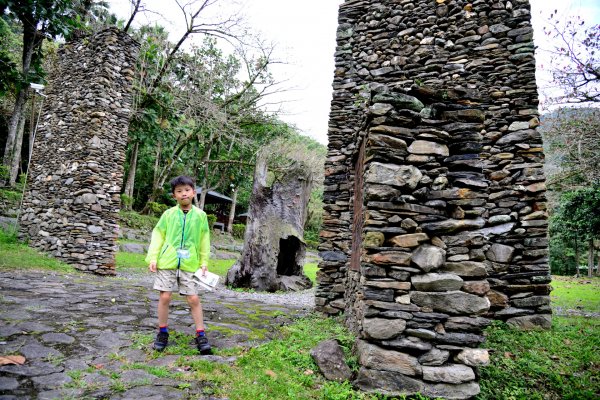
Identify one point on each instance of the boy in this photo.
(180, 246)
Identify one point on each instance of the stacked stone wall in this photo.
(70, 208)
(452, 220)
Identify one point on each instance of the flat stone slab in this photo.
(58, 338)
(30, 369)
(76, 332)
(51, 381)
(7, 383)
(150, 392)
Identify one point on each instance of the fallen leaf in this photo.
(309, 372)
(271, 373)
(98, 366)
(16, 360)
(508, 354)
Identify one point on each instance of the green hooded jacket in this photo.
(177, 229)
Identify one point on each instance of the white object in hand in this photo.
(208, 280)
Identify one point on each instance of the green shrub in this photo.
(211, 220)
(311, 234)
(311, 238)
(8, 236)
(157, 208)
(10, 196)
(312, 244)
(133, 220)
(126, 201)
(238, 231)
(21, 181)
(4, 172)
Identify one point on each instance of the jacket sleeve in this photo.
(204, 242)
(157, 240)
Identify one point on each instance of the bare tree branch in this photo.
(136, 7)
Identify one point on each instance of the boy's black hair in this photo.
(181, 181)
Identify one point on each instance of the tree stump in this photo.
(274, 246)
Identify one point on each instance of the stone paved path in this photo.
(84, 327)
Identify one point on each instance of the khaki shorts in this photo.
(166, 281)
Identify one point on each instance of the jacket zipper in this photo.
(181, 243)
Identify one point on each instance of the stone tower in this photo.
(70, 208)
(435, 214)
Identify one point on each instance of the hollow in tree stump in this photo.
(274, 246)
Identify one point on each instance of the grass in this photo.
(280, 369)
(562, 363)
(219, 267)
(310, 270)
(576, 293)
(133, 260)
(14, 254)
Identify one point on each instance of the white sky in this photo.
(589, 10)
(304, 31)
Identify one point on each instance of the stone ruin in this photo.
(435, 216)
(274, 247)
(70, 208)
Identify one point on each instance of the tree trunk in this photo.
(205, 158)
(202, 201)
(156, 165)
(161, 177)
(29, 45)
(13, 131)
(576, 259)
(16, 161)
(131, 174)
(274, 247)
(232, 212)
(590, 258)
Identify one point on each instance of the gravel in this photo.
(303, 299)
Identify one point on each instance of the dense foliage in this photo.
(198, 110)
(572, 140)
(572, 145)
(574, 225)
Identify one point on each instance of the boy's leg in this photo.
(162, 338)
(196, 310)
(164, 300)
(165, 281)
(197, 314)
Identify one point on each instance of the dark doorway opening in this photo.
(287, 263)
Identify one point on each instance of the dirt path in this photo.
(78, 333)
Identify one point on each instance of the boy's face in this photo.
(184, 194)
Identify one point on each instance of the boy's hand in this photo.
(204, 269)
(152, 266)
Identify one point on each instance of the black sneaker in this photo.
(162, 340)
(202, 344)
